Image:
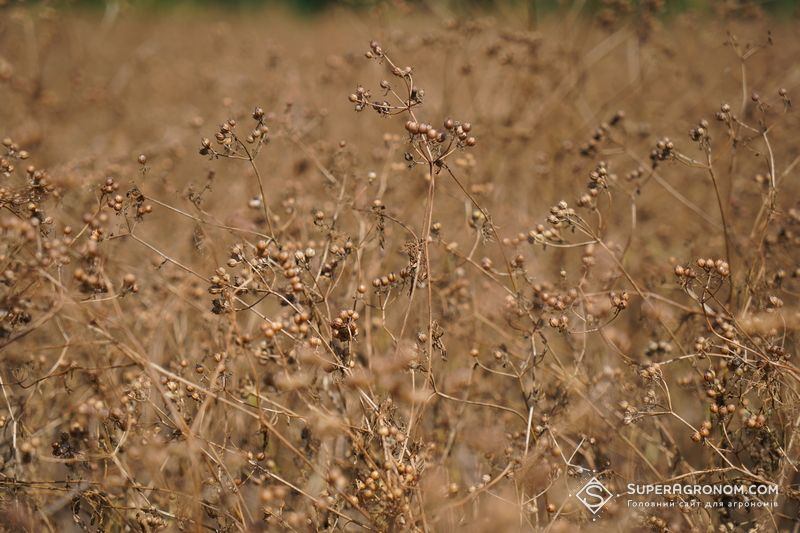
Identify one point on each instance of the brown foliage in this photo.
(434, 315)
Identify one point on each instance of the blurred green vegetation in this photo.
(670, 7)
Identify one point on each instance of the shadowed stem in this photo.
(264, 207)
(724, 221)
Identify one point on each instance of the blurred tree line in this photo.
(666, 7)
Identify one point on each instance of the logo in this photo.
(593, 494)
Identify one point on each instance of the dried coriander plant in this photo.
(379, 323)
